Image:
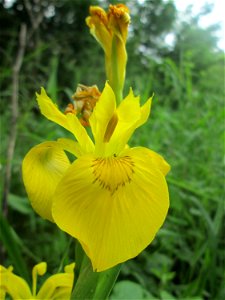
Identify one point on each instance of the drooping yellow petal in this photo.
(43, 167)
(114, 206)
(13, 285)
(68, 121)
(58, 286)
(101, 116)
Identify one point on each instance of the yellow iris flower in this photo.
(112, 198)
(56, 287)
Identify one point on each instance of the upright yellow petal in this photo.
(101, 116)
(114, 206)
(145, 112)
(43, 167)
(13, 285)
(68, 121)
(130, 116)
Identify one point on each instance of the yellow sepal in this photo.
(113, 205)
(42, 168)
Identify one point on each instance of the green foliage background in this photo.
(186, 259)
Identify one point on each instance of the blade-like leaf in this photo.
(12, 248)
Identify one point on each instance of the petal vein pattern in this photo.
(114, 206)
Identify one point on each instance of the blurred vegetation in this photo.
(186, 259)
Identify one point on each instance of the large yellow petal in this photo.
(157, 159)
(113, 205)
(68, 121)
(43, 167)
(101, 116)
(13, 285)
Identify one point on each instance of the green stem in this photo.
(93, 285)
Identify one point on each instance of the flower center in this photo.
(113, 172)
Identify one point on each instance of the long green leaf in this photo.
(12, 248)
(86, 282)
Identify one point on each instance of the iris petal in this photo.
(43, 167)
(68, 121)
(13, 285)
(101, 116)
(157, 159)
(114, 205)
(145, 112)
(130, 116)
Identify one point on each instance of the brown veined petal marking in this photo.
(113, 205)
(112, 172)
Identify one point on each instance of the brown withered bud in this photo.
(84, 102)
